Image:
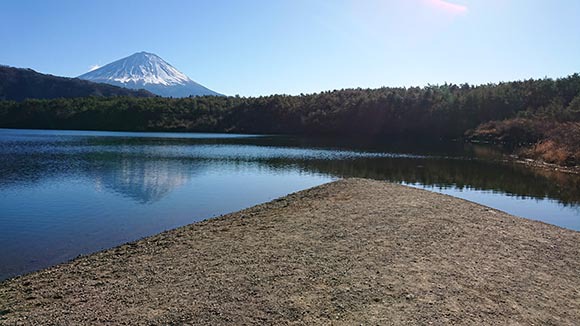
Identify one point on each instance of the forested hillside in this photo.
(541, 115)
(19, 84)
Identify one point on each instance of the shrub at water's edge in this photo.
(543, 140)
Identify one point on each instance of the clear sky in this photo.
(262, 47)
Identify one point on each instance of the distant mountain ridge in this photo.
(148, 71)
(18, 84)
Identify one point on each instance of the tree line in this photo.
(521, 112)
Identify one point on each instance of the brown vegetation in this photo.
(544, 140)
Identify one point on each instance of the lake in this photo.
(69, 193)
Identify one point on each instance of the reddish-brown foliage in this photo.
(548, 141)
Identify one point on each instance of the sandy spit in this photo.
(346, 253)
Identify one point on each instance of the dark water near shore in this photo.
(66, 193)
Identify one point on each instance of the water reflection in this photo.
(507, 178)
(148, 168)
(144, 181)
(69, 193)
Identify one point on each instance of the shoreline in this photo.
(529, 162)
(536, 164)
(351, 251)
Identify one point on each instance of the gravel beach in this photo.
(350, 252)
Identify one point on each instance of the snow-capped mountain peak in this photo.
(148, 71)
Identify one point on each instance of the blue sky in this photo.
(260, 47)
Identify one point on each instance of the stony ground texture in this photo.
(346, 253)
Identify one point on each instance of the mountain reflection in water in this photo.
(145, 181)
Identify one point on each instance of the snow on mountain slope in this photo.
(150, 72)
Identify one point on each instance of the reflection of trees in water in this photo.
(511, 179)
(375, 145)
(134, 169)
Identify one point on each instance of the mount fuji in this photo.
(148, 71)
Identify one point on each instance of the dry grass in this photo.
(543, 140)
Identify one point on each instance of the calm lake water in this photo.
(67, 193)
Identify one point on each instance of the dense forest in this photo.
(541, 116)
(18, 84)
